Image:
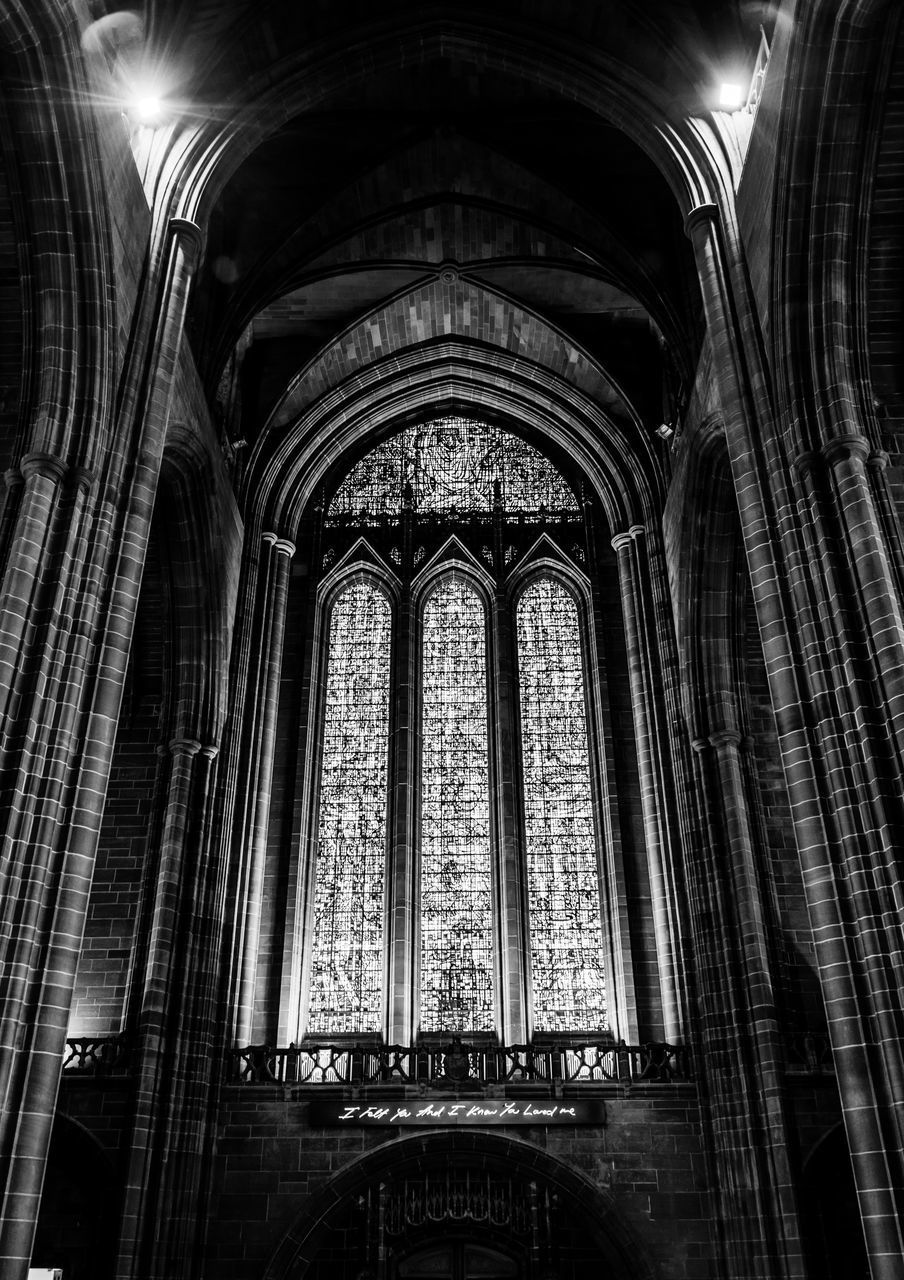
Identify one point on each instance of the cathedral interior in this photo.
(452, 639)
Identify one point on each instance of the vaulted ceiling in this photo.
(387, 180)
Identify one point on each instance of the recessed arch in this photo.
(623, 1254)
(198, 164)
(620, 464)
(439, 309)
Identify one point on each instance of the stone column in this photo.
(67, 607)
(173, 996)
(744, 1049)
(834, 670)
(259, 738)
(652, 747)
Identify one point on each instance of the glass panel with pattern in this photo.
(452, 465)
(346, 982)
(456, 897)
(566, 943)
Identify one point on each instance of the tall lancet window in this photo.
(566, 942)
(347, 969)
(456, 894)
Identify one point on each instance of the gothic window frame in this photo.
(361, 564)
(400, 1022)
(536, 565)
(454, 561)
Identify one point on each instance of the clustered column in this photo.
(844, 783)
(270, 594)
(633, 569)
(174, 987)
(70, 587)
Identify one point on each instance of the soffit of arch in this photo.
(192, 167)
(619, 460)
(441, 309)
(404, 208)
(401, 213)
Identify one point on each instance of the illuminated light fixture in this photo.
(732, 96)
(147, 108)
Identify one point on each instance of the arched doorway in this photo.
(457, 1259)
(458, 1206)
(75, 1227)
(834, 1235)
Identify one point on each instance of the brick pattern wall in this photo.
(270, 1165)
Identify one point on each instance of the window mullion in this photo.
(511, 889)
(401, 950)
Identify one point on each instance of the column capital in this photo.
(725, 738)
(190, 238)
(808, 462)
(878, 460)
(844, 448)
(43, 464)
(183, 746)
(622, 540)
(81, 478)
(283, 545)
(702, 215)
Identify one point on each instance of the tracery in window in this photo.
(566, 943)
(347, 970)
(451, 465)
(456, 895)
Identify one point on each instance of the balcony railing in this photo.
(96, 1056)
(459, 1064)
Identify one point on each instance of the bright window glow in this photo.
(566, 942)
(347, 977)
(452, 465)
(456, 896)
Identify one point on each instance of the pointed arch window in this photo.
(566, 939)
(455, 884)
(347, 964)
(494, 906)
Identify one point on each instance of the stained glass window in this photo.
(346, 981)
(567, 970)
(453, 465)
(456, 898)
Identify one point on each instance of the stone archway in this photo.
(459, 1206)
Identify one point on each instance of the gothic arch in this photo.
(623, 1253)
(286, 470)
(65, 232)
(692, 160)
(443, 308)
